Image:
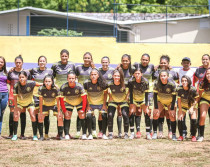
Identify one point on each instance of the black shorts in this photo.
(36, 101)
(46, 110)
(70, 107)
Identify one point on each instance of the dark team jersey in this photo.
(173, 75)
(199, 74)
(72, 95)
(148, 73)
(183, 94)
(60, 71)
(165, 92)
(117, 92)
(107, 74)
(83, 73)
(206, 92)
(95, 93)
(138, 89)
(127, 74)
(38, 76)
(49, 96)
(24, 93)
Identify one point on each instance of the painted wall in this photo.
(32, 47)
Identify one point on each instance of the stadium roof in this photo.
(46, 12)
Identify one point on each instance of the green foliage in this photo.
(55, 32)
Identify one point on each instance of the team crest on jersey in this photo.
(98, 88)
(28, 89)
(113, 90)
(45, 94)
(53, 94)
(182, 95)
(121, 89)
(76, 91)
(90, 88)
(168, 90)
(109, 76)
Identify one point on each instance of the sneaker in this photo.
(148, 137)
(41, 138)
(9, 137)
(174, 138)
(100, 135)
(22, 137)
(200, 139)
(77, 136)
(46, 137)
(110, 136)
(35, 138)
(61, 138)
(57, 137)
(14, 138)
(181, 138)
(194, 139)
(126, 136)
(84, 137)
(184, 136)
(138, 135)
(90, 137)
(197, 137)
(131, 136)
(154, 136)
(160, 135)
(169, 135)
(94, 135)
(151, 133)
(67, 137)
(105, 137)
(120, 135)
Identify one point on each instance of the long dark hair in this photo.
(147, 55)
(190, 98)
(120, 71)
(4, 68)
(22, 73)
(52, 78)
(129, 67)
(92, 65)
(204, 81)
(159, 82)
(101, 80)
(19, 57)
(64, 51)
(41, 57)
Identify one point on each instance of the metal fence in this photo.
(144, 23)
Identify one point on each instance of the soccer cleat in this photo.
(148, 137)
(132, 136)
(126, 136)
(77, 136)
(84, 137)
(67, 137)
(94, 135)
(160, 135)
(100, 135)
(154, 136)
(169, 135)
(9, 137)
(41, 138)
(174, 138)
(22, 137)
(46, 137)
(60, 138)
(105, 137)
(181, 138)
(120, 135)
(35, 138)
(90, 137)
(200, 139)
(110, 136)
(138, 135)
(193, 139)
(14, 138)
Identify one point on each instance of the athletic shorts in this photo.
(204, 101)
(70, 107)
(139, 104)
(31, 105)
(115, 104)
(150, 99)
(36, 102)
(46, 110)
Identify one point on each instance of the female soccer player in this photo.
(118, 96)
(204, 94)
(96, 89)
(49, 101)
(164, 98)
(148, 71)
(23, 99)
(187, 101)
(13, 77)
(138, 88)
(83, 73)
(3, 89)
(173, 76)
(38, 75)
(75, 96)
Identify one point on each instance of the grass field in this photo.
(116, 152)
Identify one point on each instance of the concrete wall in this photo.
(32, 47)
(184, 31)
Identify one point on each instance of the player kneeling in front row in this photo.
(23, 99)
(187, 100)
(49, 101)
(73, 95)
(137, 87)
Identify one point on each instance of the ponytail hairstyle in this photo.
(159, 83)
(19, 57)
(64, 51)
(4, 68)
(105, 57)
(52, 78)
(92, 65)
(101, 80)
(190, 98)
(204, 81)
(147, 55)
(120, 71)
(129, 67)
(41, 57)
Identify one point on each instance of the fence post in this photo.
(27, 26)
(67, 19)
(114, 20)
(166, 23)
(18, 15)
(209, 6)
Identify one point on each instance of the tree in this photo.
(56, 32)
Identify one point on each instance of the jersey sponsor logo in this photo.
(28, 89)
(76, 91)
(168, 90)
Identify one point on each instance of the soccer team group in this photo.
(130, 90)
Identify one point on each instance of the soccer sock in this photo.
(151, 120)
(15, 126)
(147, 123)
(40, 127)
(173, 127)
(60, 131)
(79, 124)
(160, 124)
(100, 125)
(198, 120)
(169, 125)
(93, 123)
(155, 124)
(83, 126)
(34, 127)
(184, 125)
(138, 121)
(119, 124)
(104, 123)
(131, 120)
(46, 124)
(180, 127)
(202, 130)
(11, 114)
(23, 122)
(193, 127)
(66, 126)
